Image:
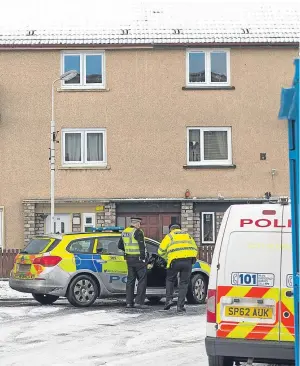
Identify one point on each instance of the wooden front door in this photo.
(155, 226)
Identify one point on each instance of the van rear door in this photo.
(287, 299)
(248, 289)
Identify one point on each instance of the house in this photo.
(168, 124)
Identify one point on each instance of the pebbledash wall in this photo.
(34, 222)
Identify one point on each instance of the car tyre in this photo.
(45, 299)
(220, 361)
(154, 300)
(197, 290)
(83, 291)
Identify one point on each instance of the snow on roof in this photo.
(247, 24)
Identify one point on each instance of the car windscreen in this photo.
(36, 246)
(152, 247)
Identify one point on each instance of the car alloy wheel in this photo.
(83, 291)
(199, 289)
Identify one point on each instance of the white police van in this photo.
(250, 310)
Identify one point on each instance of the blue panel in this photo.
(286, 101)
(97, 264)
(84, 261)
(196, 265)
(289, 109)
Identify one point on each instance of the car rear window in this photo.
(36, 246)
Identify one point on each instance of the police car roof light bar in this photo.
(106, 228)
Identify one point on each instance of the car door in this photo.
(287, 333)
(112, 267)
(83, 253)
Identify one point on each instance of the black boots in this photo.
(168, 305)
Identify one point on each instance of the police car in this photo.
(85, 266)
(250, 309)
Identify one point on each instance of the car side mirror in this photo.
(99, 250)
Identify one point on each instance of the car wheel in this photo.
(83, 291)
(154, 300)
(219, 361)
(45, 299)
(197, 290)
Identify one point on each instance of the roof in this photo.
(245, 25)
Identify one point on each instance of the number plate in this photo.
(24, 268)
(248, 312)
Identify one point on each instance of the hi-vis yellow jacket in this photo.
(176, 245)
(131, 245)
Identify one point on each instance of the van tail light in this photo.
(47, 261)
(211, 306)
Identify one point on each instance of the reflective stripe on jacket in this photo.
(177, 245)
(131, 245)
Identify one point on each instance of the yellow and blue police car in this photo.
(85, 266)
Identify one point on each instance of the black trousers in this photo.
(184, 268)
(136, 270)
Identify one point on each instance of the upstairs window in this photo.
(90, 68)
(208, 68)
(84, 147)
(209, 146)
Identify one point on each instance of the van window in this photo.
(250, 253)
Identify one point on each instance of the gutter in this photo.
(146, 200)
(129, 46)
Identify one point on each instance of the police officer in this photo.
(180, 251)
(132, 242)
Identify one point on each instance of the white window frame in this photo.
(208, 81)
(86, 215)
(210, 162)
(84, 162)
(83, 84)
(202, 227)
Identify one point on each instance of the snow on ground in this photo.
(7, 293)
(61, 335)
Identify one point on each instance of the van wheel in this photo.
(83, 291)
(45, 299)
(220, 361)
(154, 300)
(197, 290)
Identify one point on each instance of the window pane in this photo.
(197, 67)
(81, 246)
(95, 147)
(208, 228)
(215, 145)
(194, 145)
(218, 67)
(88, 220)
(36, 246)
(93, 69)
(72, 63)
(110, 245)
(72, 147)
